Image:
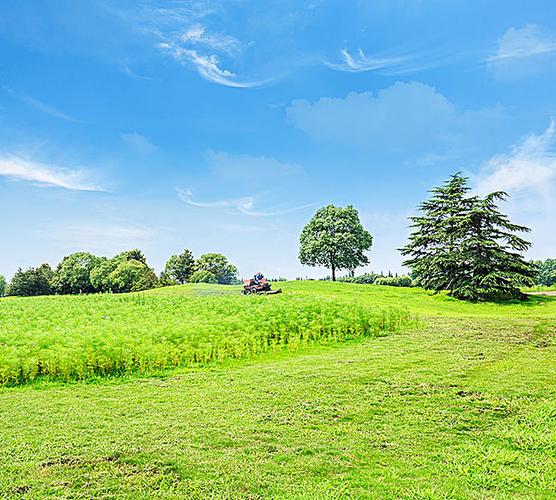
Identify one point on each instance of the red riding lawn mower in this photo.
(261, 287)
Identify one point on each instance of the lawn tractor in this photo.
(255, 286)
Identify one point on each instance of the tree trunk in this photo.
(333, 273)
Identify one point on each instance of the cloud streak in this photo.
(360, 62)
(15, 167)
(243, 205)
(522, 43)
(208, 66)
(38, 105)
(47, 109)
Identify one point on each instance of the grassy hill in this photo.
(461, 404)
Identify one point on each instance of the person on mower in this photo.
(258, 278)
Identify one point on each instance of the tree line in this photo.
(128, 271)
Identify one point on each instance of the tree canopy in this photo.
(546, 272)
(218, 265)
(31, 282)
(73, 274)
(180, 267)
(464, 244)
(336, 239)
(3, 285)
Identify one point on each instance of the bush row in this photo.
(377, 279)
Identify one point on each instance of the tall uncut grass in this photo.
(79, 337)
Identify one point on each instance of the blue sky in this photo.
(223, 125)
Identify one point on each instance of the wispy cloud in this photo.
(198, 35)
(38, 105)
(208, 66)
(138, 143)
(243, 205)
(530, 166)
(360, 62)
(393, 64)
(45, 108)
(15, 167)
(522, 43)
(184, 30)
(197, 46)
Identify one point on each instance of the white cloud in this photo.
(530, 166)
(520, 43)
(18, 168)
(138, 143)
(243, 205)
(406, 119)
(528, 174)
(360, 62)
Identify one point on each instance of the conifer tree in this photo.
(464, 244)
(433, 246)
(493, 261)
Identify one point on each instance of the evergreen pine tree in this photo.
(493, 261)
(466, 245)
(436, 260)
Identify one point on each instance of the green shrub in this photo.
(394, 281)
(364, 279)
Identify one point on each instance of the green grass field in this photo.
(460, 404)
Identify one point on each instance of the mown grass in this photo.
(462, 405)
(79, 337)
(540, 288)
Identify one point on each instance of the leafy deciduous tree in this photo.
(336, 239)
(73, 274)
(132, 276)
(217, 264)
(100, 274)
(546, 272)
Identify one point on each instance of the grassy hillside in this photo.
(462, 405)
